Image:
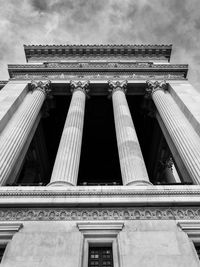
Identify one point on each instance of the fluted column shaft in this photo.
(132, 165)
(15, 134)
(167, 170)
(183, 135)
(65, 171)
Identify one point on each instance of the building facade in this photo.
(99, 159)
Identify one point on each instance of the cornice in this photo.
(98, 70)
(98, 45)
(97, 50)
(100, 191)
(99, 203)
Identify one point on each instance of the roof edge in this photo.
(100, 49)
(101, 45)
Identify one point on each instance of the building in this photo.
(119, 184)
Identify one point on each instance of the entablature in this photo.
(98, 70)
(99, 203)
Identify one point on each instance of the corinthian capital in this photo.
(41, 86)
(152, 87)
(167, 163)
(117, 86)
(82, 86)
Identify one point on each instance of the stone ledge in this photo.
(100, 195)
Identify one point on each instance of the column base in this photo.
(139, 182)
(60, 183)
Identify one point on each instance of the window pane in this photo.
(100, 256)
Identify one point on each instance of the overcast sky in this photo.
(174, 22)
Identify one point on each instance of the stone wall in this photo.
(140, 243)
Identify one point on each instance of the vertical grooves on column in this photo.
(68, 155)
(183, 135)
(131, 160)
(15, 134)
(186, 141)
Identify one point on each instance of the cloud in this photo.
(105, 21)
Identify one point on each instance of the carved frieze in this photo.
(77, 214)
(96, 76)
(98, 65)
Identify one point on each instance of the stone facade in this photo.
(146, 223)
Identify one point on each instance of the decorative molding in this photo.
(90, 214)
(117, 226)
(97, 65)
(103, 191)
(99, 76)
(94, 65)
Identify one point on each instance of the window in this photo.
(192, 229)
(100, 244)
(7, 230)
(100, 256)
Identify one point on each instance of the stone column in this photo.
(183, 135)
(65, 171)
(167, 170)
(132, 165)
(15, 134)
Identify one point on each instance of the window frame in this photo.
(7, 231)
(192, 229)
(100, 234)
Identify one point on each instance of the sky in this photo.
(175, 22)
